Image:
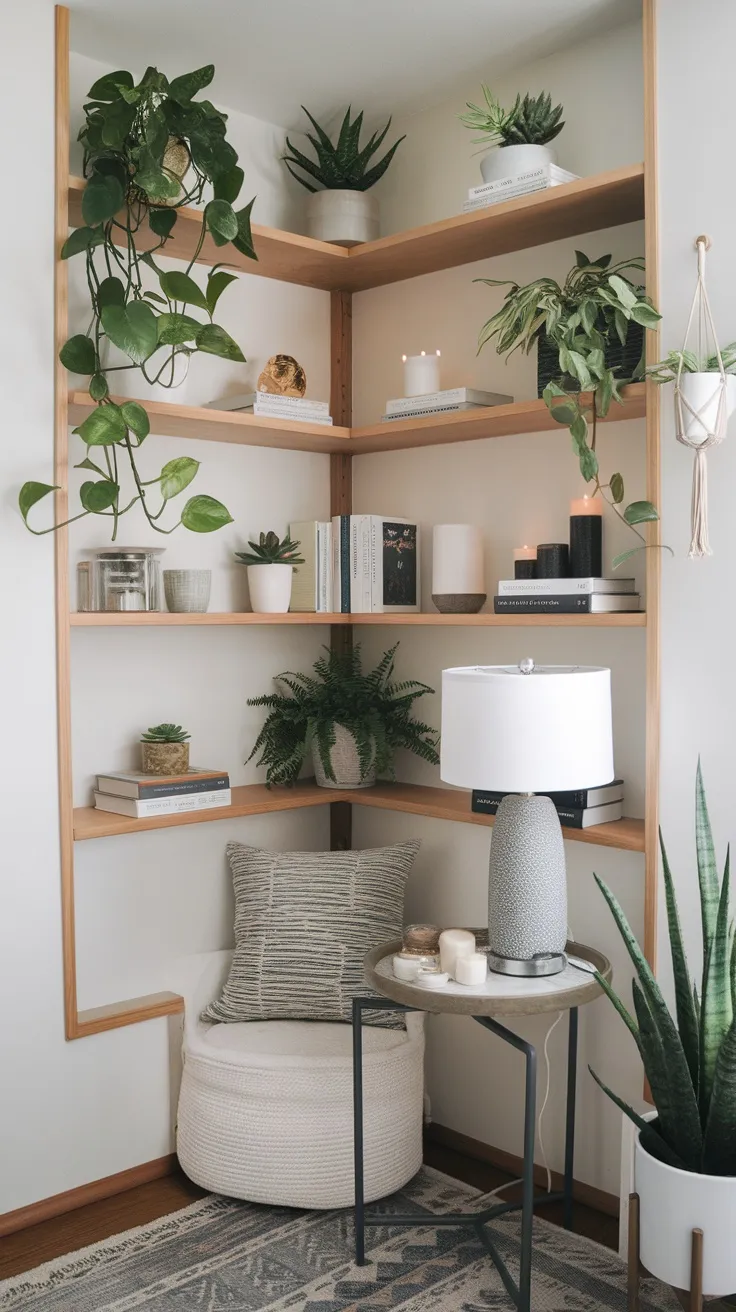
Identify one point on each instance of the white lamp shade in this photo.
(539, 732)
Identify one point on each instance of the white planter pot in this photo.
(671, 1204)
(270, 588)
(345, 763)
(345, 218)
(510, 161)
(700, 394)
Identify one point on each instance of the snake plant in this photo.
(341, 165)
(690, 1061)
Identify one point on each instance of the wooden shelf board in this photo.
(474, 425)
(173, 420)
(602, 201)
(115, 1015)
(286, 256)
(152, 619)
(256, 799)
(453, 804)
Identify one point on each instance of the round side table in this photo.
(500, 995)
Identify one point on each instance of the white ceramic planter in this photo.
(671, 1204)
(699, 404)
(270, 588)
(510, 161)
(345, 218)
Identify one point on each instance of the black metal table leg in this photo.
(572, 1073)
(358, 1131)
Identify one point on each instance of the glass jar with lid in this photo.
(126, 579)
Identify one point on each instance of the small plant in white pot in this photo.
(165, 750)
(685, 1155)
(351, 722)
(700, 383)
(270, 562)
(340, 208)
(517, 139)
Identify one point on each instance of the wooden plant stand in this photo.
(694, 1297)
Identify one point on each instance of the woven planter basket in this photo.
(345, 763)
(622, 359)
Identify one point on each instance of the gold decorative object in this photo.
(283, 376)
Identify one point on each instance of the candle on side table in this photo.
(471, 969)
(421, 373)
(586, 537)
(455, 943)
(553, 560)
(525, 562)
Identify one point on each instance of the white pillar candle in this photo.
(421, 374)
(457, 559)
(433, 979)
(471, 969)
(454, 943)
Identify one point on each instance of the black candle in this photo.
(525, 569)
(586, 538)
(553, 560)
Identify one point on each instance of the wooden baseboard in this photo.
(94, 1192)
(485, 1152)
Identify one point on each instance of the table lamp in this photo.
(522, 730)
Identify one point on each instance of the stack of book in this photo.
(364, 564)
(491, 193)
(436, 403)
(276, 407)
(142, 795)
(565, 596)
(577, 810)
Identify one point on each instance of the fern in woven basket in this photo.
(374, 708)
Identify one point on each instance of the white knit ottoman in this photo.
(266, 1110)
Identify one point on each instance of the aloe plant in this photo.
(342, 165)
(531, 121)
(689, 1060)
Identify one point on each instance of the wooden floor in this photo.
(40, 1243)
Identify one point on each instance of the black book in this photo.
(577, 817)
(576, 603)
(580, 798)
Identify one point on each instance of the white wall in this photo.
(518, 490)
(149, 911)
(698, 700)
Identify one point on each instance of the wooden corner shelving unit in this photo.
(606, 200)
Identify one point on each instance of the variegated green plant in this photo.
(690, 1064)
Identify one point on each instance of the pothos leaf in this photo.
(99, 496)
(640, 512)
(161, 221)
(30, 493)
(103, 427)
(78, 355)
(215, 341)
(616, 485)
(203, 514)
(136, 419)
(216, 284)
(176, 475)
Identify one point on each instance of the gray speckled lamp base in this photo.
(527, 883)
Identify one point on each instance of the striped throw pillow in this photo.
(304, 922)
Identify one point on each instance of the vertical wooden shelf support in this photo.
(341, 497)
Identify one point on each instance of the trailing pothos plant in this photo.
(149, 148)
(593, 308)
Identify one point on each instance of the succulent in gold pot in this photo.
(165, 750)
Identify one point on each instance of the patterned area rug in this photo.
(220, 1255)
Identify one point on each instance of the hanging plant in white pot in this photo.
(516, 139)
(705, 396)
(340, 208)
(270, 564)
(685, 1156)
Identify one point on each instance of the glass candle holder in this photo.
(128, 579)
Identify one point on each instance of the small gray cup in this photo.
(187, 589)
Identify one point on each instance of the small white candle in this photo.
(525, 553)
(457, 559)
(407, 967)
(587, 506)
(433, 979)
(454, 943)
(421, 374)
(471, 969)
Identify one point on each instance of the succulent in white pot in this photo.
(515, 139)
(340, 208)
(700, 413)
(270, 563)
(685, 1154)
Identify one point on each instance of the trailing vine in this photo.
(149, 149)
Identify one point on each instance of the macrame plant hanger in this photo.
(704, 427)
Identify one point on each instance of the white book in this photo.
(451, 396)
(356, 564)
(271, 412)
(552, 174)
(336, 571)
(523, 189)
(324, 559)
(245, 400)
(304, 587)
(563, 587)
(140, 810)
(394, 564)
(436, 410)
(605, 605)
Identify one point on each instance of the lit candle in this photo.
(525, 562)
(586, 537)
(453, 944)
(471, 969)
(421, 374)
